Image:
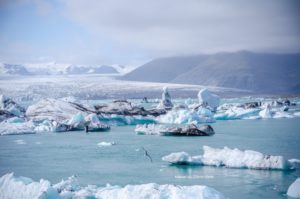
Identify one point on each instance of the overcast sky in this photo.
(131, 32)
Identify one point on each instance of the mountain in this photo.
(104, 69)
(258, 72)
(13, 69)
(58, 69)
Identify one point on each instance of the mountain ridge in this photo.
(258, 72)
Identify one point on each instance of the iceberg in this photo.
(232, 158)
(51, 126)
(189, 130)
(165, 102)
(187, 116)
(12, 187)
(94, 123)
(266, 112)
(9, 106)
(183, 158)
(125, 108)
(208, 99)
(25, 188)
(16, 128)
(77, 122)
(294, 189)
(57, 110)
(235, 113)
(101, 144)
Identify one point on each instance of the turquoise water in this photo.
(55, 156)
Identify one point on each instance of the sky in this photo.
(132, 32)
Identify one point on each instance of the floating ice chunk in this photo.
(165, 102)
(297, 114)
(294, 189)
(7, 104)
(207, 98)
(11, 187)
(20, 142)
(182, 158)
(233, 158)
(187, 130)
(57, 110)
(77, 122)
(51, 126)
(242, 159)
(25, 188)
(266, 112)
(15, 120)
(283, 114)
(16, 128)
(101, 144)
(187, 116)
(120, 120)
(235, 113)
(94, 123)
(149, 129)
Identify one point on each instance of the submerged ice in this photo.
(25, 188)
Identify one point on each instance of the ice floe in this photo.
(22, 187)
(233, 158)
(294, 189)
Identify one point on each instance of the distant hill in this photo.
(74, 69)
(58, 69)
(259, 72)
(13, 69)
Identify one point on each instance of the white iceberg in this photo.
(16, 128)
(294, 189)
(103, 144)
(25, 188)
(266, 112)
(149, 129)
(233, 158)
(51, 126)
(207, 98)
(236, 158)
(235, 113)
(183, 158)
(165, 102)
(187, 116)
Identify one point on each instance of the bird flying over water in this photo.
(147, 154)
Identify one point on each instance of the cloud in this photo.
(172, 27)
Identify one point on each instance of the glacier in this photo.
(26, 188)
